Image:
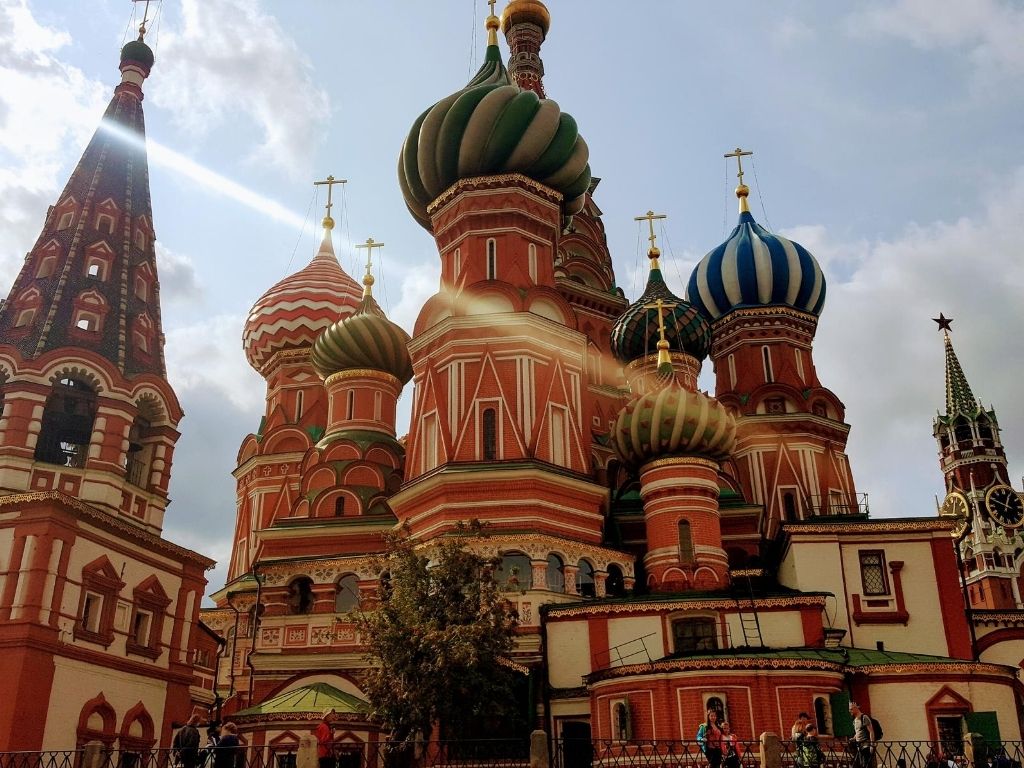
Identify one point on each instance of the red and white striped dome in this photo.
(294, 312)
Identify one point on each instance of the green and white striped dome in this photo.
(493, 127)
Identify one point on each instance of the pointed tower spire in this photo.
(959, 397)
(90, 281)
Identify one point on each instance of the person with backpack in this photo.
(808, 751)
(864, 737)
(709, 737)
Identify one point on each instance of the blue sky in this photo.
(886, 139)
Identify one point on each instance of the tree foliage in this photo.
(437, 640)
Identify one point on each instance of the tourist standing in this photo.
(186, 743)
(709, 737)
(731, 748)
(228, 752)
(325, 740)
(863, 737)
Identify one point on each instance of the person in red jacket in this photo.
(325, 740)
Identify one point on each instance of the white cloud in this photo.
(179, 283)
(419, 283)
(48, 109)
(878, 350)
(989, 30)
(232, 60)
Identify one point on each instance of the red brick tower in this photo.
(95, 606)
(988, 510)
(763, 294)
(498, 430)
(674, 436)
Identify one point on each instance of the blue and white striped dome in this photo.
(756, 268)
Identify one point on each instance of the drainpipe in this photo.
(234, 645)
(255, 626)
(217, 700)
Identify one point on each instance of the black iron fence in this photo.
(827, 752)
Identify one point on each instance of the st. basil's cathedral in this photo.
(667, 551)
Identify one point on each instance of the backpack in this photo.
(702, 738)
(876, 727)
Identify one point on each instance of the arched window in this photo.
(46, 266)
(585, 579)
(716, 703)
(686, 556)
(822, 715)
(138, 455)
(623, 726)
(492, 259)
(766, 356)
(300, 595)
(25, 317)
(962, 431)
(532, 261)
(67, 424)
(490, 436)
(339, 506)
(346, 598)
(984, 429)
(515, 573)
(555, 573)
(615, 586)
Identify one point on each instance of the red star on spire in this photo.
(944, 322)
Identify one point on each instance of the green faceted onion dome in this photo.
(673, 421)
(138, 51)
(364, 339)
(635, 333)
(493, 127)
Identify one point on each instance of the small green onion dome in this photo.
(139, 52)
(493, 127)
(673, 421)
(364, 339)
(635, 333)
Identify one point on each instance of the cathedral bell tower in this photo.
(763, 294)
(987, 511)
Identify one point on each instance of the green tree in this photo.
(437, 641)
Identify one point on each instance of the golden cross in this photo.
(491, 3)
(145, 15)
(739, 154)
(369, 245)
(661, 306)
(330, 181)
(650, 217)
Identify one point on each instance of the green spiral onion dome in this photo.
(364, 339)
(492, 127)
(673, 421)
(635, 333)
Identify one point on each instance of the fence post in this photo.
(92, 755)
(539, 755)
(307, 755)
(771, 750)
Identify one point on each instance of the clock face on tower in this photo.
(955, 507)
(1004, 506)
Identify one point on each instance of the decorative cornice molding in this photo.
(923, 525)
(363, 373)
(697, 604)
(106, 520)
(490, 182)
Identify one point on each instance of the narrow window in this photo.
(141, 288)
(766, 355)
(615, 585)
(94, 270)
(623, 731)
(789, 506)
(25, 317)
(92, 607)
(429, 442)
(872, 572)
(532, 261)
(456, 263)
(585, 579)
(140, 628)
(799, 364)
(686, 555)
(46, 267)
(300, 595)
(492, 259)
(298, 405)
(490, 437)
(558, 436)
(65, 220)
(377, 407)
(555, 574)
(346, 598)
(350, 407)
(339, 506)
(732, 370)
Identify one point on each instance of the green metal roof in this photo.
(851, 657)
(314, 699)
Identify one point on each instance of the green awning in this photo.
(309, 699)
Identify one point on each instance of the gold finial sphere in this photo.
(492, 22)
(528, 11)
(328, 222)
(742, 190)
(654, 252)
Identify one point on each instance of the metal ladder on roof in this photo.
(750, 623)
